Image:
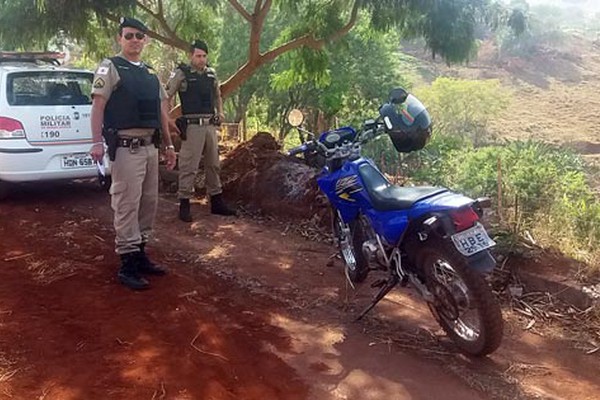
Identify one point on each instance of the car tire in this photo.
(4, 190)
(104, 182)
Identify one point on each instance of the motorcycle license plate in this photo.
(472, 241)
(78, 160)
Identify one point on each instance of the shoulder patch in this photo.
(102, 70)
(99, 83)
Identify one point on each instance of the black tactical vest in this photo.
(198, 98)
(136, 101)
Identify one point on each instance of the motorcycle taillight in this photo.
(464, 218)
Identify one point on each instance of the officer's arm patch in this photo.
(99, 83)
(103, 70)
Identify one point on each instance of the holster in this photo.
(181, 124)
(215, 120)
(156, 138)
(111, 138)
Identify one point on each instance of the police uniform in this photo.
(132, 112)
(134, 188)
(199, 94)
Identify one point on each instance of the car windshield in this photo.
(53, 88)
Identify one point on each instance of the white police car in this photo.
(45, 129)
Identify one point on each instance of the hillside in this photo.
(556, 92)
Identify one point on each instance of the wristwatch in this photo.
(170, 147)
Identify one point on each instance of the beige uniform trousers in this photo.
(134, 192)
(201, 144)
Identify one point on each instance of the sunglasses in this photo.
(138, 35)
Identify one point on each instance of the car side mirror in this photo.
(295, 117)
(398, 96)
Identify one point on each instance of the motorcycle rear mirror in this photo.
(398, 96)
(295, 117)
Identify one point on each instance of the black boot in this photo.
(148, 267)
(128, 273)
(218, 206)
(184, 210)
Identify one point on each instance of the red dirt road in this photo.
(247, 312)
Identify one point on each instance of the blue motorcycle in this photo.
(429, 237)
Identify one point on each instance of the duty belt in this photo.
(133, 143)
(198, 121)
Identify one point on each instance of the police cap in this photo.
(200, 44)
(132, 23)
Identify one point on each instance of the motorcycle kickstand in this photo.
(389, 285)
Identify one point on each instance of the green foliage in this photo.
(544, 190)
(447, 25)
(32, 23)
(464, 107)
(360, 71)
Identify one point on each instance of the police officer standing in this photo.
(129, 109)
(202, 110)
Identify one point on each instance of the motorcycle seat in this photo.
(388, 197)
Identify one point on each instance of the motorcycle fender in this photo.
(482, 262)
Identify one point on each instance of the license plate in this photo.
(79, 160)
(472, 241)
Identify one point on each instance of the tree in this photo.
(446, 25)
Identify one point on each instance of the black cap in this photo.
(201, 45)
(132, 23)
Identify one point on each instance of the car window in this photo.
(35, 88)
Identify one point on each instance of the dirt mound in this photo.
(257, 175)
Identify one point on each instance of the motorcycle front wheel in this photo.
(350, 238)
(463, 303)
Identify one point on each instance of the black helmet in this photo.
(407, 123)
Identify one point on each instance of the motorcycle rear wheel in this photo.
(463, 304)
(350, 246)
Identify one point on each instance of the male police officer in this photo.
(129, 109)
(202, 109)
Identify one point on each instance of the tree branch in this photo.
(175, 42)
(310, 41)
(257, 24)
(241, 10)
(255, 59)
(351, 22)
(172, 38)
(145, 8)
(257, 7)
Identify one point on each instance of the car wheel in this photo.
(104, 182)
(4, 190)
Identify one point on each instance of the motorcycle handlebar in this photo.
(297, 150)
(371, 133)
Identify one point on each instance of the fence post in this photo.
(499, 189)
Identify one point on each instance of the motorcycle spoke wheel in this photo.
(463, 303)
(453, 303)
(349, 238)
